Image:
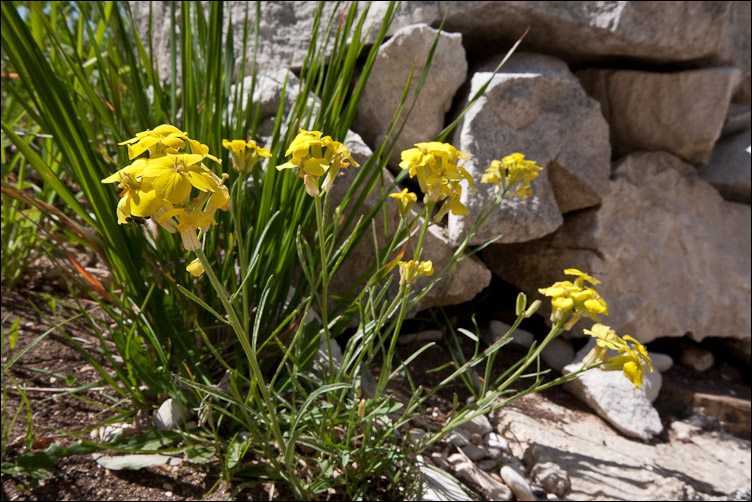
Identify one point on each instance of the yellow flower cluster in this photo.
(411, 271)
(245, 154)
(575, 299)
(316, 156)
(633, 357)
(439, 176)
(510, 170)
(159, 186)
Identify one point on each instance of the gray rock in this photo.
(475, 452)
(171, 415)
(551, 477)
(284, 34)
(661, 362)
(496, 440)
(407, 51)
(738, 119)
(615, 399)
(438, 485)
(534, 106)
(683, 431)
(487, 465)
(558, 353)
(488, 485)
(652, 31)
(596, 457)
(478, 425)
(729, 168)
(681, 112)
(700, 360)
(458, 437)
(424, 336)
(497, 329)
(734, 43)
(672, 256)
(517, 482)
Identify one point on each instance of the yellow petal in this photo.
(172, 186)
(141, 146)
(144, 203)
(315, 166)
(204, 181)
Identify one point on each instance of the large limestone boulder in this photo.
(537, 107)
(672, 255)
(407, 52)
(681, 112)
(285, 28)
(588, 31)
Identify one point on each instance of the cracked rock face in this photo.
(672, 255)
(535, 106)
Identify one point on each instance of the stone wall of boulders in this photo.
(638, 111)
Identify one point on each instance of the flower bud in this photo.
(521, 304)
(533, 308)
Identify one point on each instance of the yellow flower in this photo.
(160, 186)
(575, 299)
(411, 271)
(439, 176)
(510, 170)
(245, 154)
(405, 201)
(316, 156)
(160, 141)
(195, 268)
(633, 357)
(605, 338)
(174, 175)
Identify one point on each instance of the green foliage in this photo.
(237, 344)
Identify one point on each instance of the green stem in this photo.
(256, 373)
(324, 298)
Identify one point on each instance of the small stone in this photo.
(167, 486)
(661, 362)
(489, 486)
(416, 435)
(682, 431)
(458, 437)
(551, 477)
(440, 461)
(519, 338)
(517, 482)
(456, 458)
(558, 353)
(478, 425)
(696, 358)
(474, 452)
(476, 439)
(439, 486)
(487, 464)
(170, 415)
(496, 440)
(430, 335)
